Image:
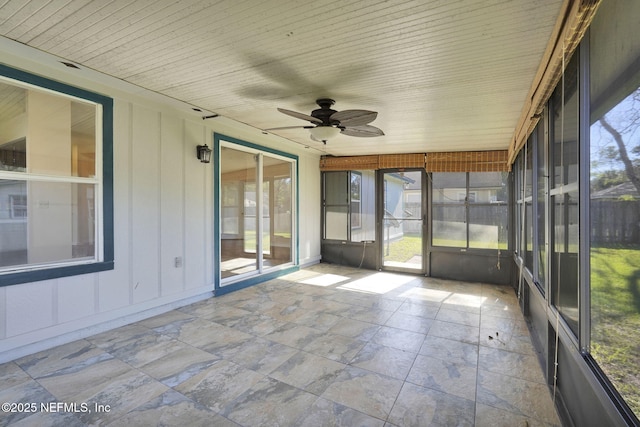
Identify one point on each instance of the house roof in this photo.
(626, 189)
(442, 75)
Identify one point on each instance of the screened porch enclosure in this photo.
(402, 219)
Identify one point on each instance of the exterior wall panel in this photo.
(163, 209)
(172, 157)
(145, 204)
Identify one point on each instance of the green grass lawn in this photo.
(402, 250)
(615, 317)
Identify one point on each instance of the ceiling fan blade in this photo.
(289, 127)
(300, 116)
(362, 131)
(354, 117)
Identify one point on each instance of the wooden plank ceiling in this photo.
(443, 75)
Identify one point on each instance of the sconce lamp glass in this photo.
(204, 153)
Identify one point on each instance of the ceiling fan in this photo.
(327, 123)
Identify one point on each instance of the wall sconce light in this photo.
(204, 153)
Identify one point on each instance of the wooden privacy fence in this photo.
(615, 221)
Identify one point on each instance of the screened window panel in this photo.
(541, 213)
(564, 201)
(488, 227)
(449, 226)
(336, 222)
(446, 187)
(489, 187)
(615, 196)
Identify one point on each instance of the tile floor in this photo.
(325, 346)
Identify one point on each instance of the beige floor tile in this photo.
(526, 398)
(308, 372)
(456, 316)
(76, 353)
(399, 338)
(328, 345)
(335, 347)
(364, 391)
(523, 366)
(454, 331)
(179, 365)
(450, 350)
(443, 375)
(384, 360)
(270, 403)
(219, 385)
(172, 409)
(327, 413)
(419, 406)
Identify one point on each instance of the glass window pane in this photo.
(336, 222)
(45, 133)
(528, 171)
(488, 226)
(336, 205)
(336, 188)
(564, 104)
(363, 205)
(238, 241)
(615, 196)
(83, 137)
(231, 206)
(14, 213)
(488, 187)
(518, 170)
(13, 132)
(528, 206)
(449, 226)
(564, 202)
(449, 187)
(278, 211)
(565, 257)
(528, 236)
(541, 209)
(28, 236)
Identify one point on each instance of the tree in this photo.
(623, 123)
(624, 155)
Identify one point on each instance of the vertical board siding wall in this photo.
(163, 210)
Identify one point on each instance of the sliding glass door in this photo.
(257, 190)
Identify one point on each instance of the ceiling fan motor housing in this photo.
(324, 112)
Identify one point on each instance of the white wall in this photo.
(162, 204)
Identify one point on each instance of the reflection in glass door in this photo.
(238, 211)
(402, 225)
(256, 220)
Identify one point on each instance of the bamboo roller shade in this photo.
(468, 161)
(572, 23)
(463, 161)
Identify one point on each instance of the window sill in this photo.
(15, 278)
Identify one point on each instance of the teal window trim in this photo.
(253, 280)
(106, 102)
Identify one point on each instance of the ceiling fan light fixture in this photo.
(324, 133)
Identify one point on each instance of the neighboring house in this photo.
(396, 205)
(624, 191)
